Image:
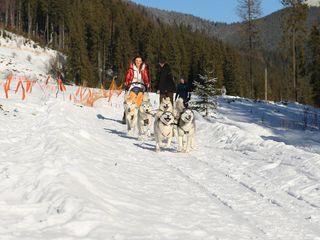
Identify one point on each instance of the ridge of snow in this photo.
(23, 57)
(313, 3)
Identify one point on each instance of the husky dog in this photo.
(186, 131)
(163, 129)
(131, 115)
(179, 108)
(144, 118)
(165, 106)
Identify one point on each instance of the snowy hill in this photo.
(23, 57)
(71, 172)
(315, 3)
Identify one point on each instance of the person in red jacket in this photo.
(137, 79)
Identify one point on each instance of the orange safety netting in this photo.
(83, 95)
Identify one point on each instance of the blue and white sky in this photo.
(214, 10)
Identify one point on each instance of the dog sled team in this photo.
(168, 121)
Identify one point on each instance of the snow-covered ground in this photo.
(72, 172)
(23, 57)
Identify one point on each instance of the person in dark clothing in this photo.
(165, 85)
(183, 92)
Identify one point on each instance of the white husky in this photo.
(186, 131)
(131, 113)
(163, 129)
(145, 118)
(178, 109)
(165, 106)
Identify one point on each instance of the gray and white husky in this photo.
(186, 128)
(131, 113)
(163, 129)
(145, 118)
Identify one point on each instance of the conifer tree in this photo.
(294, 29)
(204, 99)
(249, 11)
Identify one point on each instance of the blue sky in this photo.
(215, 10)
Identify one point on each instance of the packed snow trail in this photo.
(65, 176)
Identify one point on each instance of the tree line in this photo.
(100, 37)
(298, 51)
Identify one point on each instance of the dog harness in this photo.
(170, 132)
(179, 122)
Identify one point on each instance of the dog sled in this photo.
(135, 94)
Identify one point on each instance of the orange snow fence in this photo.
(9, 78)
(78, 91)
(62, 88)
(83, 95)
(28, 86)
(5, 87)
(20, 84)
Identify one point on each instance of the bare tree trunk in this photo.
(63, 36)
(294, 65)
(47, 32)
(60, 37)
(19, 15)
(6, 17)
(12, 12)
(266, 84)
(99, 67)
(104, 63)
(29, 20)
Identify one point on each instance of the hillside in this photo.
(68, 171)
(269, 26)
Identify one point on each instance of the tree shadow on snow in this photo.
(119, 133)
(101, 117)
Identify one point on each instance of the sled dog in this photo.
(179, 108)
(145, 118)
(186, 131)
(165, 106)
(131, 115)
(163, 129)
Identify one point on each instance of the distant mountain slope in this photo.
(270, 26)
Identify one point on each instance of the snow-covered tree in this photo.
(204, 99)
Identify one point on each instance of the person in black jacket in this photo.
(183, 92)
(165, 85)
